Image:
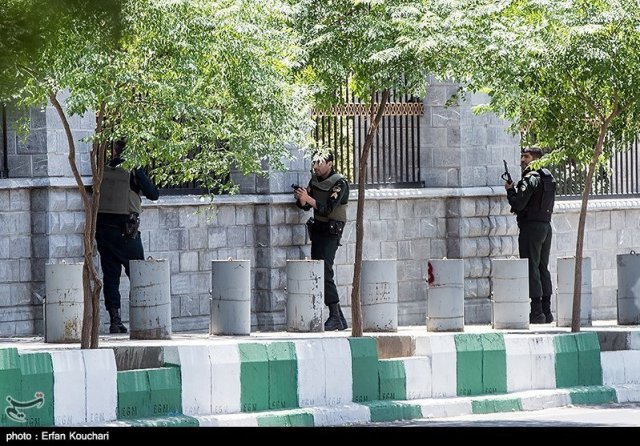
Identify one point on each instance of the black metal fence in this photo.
(621, 176)
(394, 159)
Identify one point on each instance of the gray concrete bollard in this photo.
(230, 297)
(150, 299)
(305, 296)
(628, 288)
(564, 295)
(445, 295)
(379, 291)
(510, 303)
(64, 302)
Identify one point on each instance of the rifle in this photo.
(506, 176)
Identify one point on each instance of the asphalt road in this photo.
(611, 415)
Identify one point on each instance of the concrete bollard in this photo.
(445, 295)
(510, 303)
(64, 302)
(305, 296)
(564, 295)
(150, 299)
(628, 288)
(379, 291)
(230, 297)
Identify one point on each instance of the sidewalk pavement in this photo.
(316, 379)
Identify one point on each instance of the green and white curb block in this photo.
(441, 349)
(36, 372)
(195, 375)
(62, 388)
(84, 388)
(315, 382)
(101, 384)
(620, 367)
(149, 393)
(69, 390)
(324, 372)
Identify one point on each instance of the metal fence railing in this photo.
(620, 177)
(395, 155)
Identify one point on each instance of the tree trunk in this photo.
(375, 117)
(577, 278)
(92, 284)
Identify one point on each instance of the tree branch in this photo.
(588, 100)
(72, 149)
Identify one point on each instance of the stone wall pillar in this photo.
(464, 152)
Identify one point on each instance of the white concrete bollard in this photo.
(379, 291)
(305, 296)
(445, 295)
(64, 302)
(230, 297)
(628, 288)
(510, 302)
(150, 299)
(564, 295)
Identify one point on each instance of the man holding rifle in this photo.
(532, 200)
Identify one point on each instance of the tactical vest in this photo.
(116, 196)
(541, 204)
(322, 191)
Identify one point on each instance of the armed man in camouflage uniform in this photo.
(328, 195)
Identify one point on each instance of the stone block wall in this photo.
(612, 228)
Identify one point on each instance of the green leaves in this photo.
(556, 69)
(360, 41)
(178, 79)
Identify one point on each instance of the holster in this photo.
(335, 227)
(130, 227)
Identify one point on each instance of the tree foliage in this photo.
(566, 74)
(196, 87)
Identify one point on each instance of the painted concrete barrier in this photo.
(64, 302)
(230, 310)
(305, 295)
(510, 303)
(339, 371)
(312, 374)
(101, 385)
(543, 357)
(150, 299)
(620, 367)
(442, 351)
(225, 378)
(36, 370)
(445, 295)
(69, 389)
(564, 296)
(379, 291)
(10, 384)
(519, 363)
(628, 298)
(195, 375)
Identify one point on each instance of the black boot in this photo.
(116, 325)
(536, 316)
(334, 323)
(342, 319)
(546, 309)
